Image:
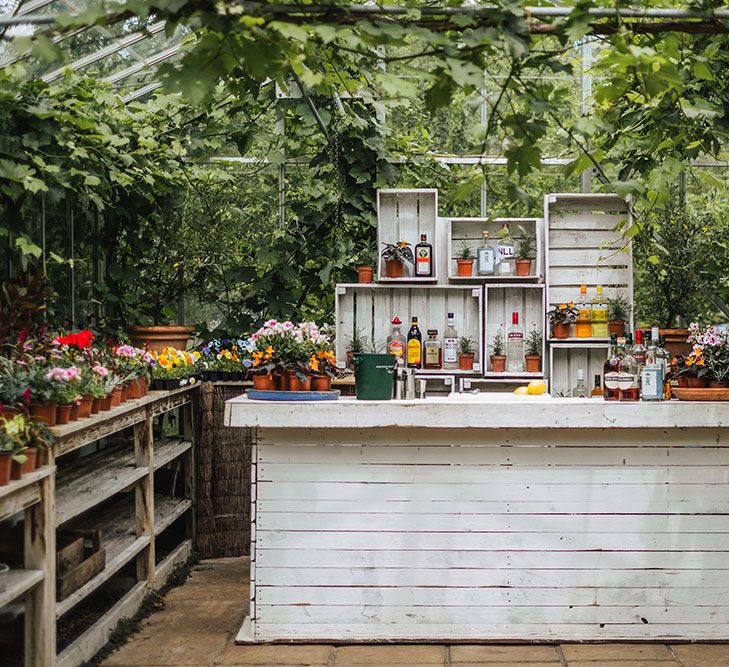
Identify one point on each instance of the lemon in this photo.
(521, 391)
(536, 387)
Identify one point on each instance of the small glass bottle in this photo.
(610, 374)
(396, 341)
(629, 373)
(600, 326)
(515, 346)
(432, 351)
(583, 323)
(485, 257)
(450, 344)
(580, 390)
(414, 346)
(423, 258)
(505, 252)
(597, 390)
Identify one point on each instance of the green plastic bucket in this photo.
(374, 376)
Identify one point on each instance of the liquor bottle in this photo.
(583, 323)
(485, 257)
(663, 359)
(515, 346)
(424, 258)
(600, 328)
(652, 375)
(396, 341)
(505, 252)
(597, 390)
(415, 346)
(629, 373)
(611, 379)
(639, 352)
(450, 344)
(580, 390)
(432, 351)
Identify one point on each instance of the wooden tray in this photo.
(689, 394)
(80, 567)
(272, 395)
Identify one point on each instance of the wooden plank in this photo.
(569, 239)
(168, 510)
(21, 500)
(178, 555)
(587, 275)
(28, 480)
(588, 257)
(19, 582)
(587, 220)
(144, 498)
(168, 450)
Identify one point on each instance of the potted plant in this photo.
(524, 255)
(323, 365)
(691, 370)
(710, 351)
(466, 353)
(13, 441)
(395, 255)
(618, 313)
(533, 349)
(365, 269)
(355, 345)
(43, 388)
(464, 261)
(40, 440)
(561, 317)
(498, 358)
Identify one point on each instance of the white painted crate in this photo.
(468, 231)
(566, 358)
(370, 308)
(406, 214)
(500, 301)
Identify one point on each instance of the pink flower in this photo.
(100, 370)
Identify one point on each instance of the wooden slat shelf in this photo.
(167, 510)
(25, 480)
(167, 451)
(23, 493)
(19, 582)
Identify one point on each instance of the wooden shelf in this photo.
(490, 375)
(167, 510)
(23, 493)
(576, 342)
(19, 582)
(407, 280)
(513, 281)
(166, 451)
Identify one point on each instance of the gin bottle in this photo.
(515, 346)
(485, 260)
(450, 344)
(505, 252)
(580, 390)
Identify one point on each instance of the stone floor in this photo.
(199, 621)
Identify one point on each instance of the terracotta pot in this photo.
(124, 393)
(523, 267)
(350, 365)
(697, 383)
(264, 382)
(365, 274)
(394, 268)
(30, 457)
(498, 363)
(294, 384)
(16, 470)
(116, 397)
(95, 406)
(676, 344)
(714, 384)
(143, 385)
(63, 414)
(44, 413)
(84, 409)
(105, 403)
(681, 381)
(533, 363)
(465, 361)
(465, 268)
(616, 327)
(133, 390)
(321, 383)
(5, 465)
(74, 412)
(157, 338)
(560, 330)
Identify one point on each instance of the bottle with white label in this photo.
(651, 376)
(450, 344)
(505, 252)
(515, 346)
(580, 390)
(485, 257)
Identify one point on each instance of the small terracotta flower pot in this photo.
(533, 363)
(498, 363)
(321, 383)
(63, 414)
(30, 457)
(44, 413)
(143, 385)
(133, 390)
(294, 384)
(5, 466)
(264, 382)
(616, 327)
(116, 397)
(124, 393)
(560, 330)
(95, 406)
(365, 274)
(682, 381)
(105, 403)
(465, 361)
(523, 267)
(74, 412)
(697, 383)
(350, 363)
(84, 409)
(16, 471)
(465, 268)
(715, 384)
(394, 268)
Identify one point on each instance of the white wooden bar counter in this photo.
(488, 517)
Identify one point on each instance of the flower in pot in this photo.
(13, 444)
(40, 440)
(498, 358)
(464, 261)
(323, 365)
(356, 344)
(692, 371)
(466, 353)
(618, 313)
(365, 267)
(533, 349)
(395, 255)
(561, 317)
(43, 388)
(710, 350)
(524, 255)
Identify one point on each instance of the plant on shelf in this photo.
(524, 254)
(561, 317)
(365, 266)
(498, 358)
(466, 353)
(533, 348)
(707, 365)
(357, 343)
(618, 313)
(465, 260)
(175, 368)
(395, 255)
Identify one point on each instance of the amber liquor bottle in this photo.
(611, 371)
(424, 258)
(414, 345)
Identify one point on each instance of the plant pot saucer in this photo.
(288, 396)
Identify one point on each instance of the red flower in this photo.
(26, 396)
(81, 340)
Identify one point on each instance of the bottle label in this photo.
(485, 260)
(620, 380)
(652, 381)
(515, 335)
(422, 262)
(431, 355)
(397, 348)
(450, 350)
(414, 351)
(505, 252)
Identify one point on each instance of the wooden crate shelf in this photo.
(167, 510)
(564, 361)
(166, 451)
(19, 583)
(23, 493)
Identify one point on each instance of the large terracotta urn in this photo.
(157, 338)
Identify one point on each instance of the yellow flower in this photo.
(314, 363)
(269, 350)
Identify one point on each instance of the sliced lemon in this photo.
(537, 387)
(521, 391)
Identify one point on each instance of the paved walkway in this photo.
(197, 626)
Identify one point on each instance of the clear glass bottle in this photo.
(415, 346)
(515, 346)
(423, 258)
(580, 389)
(450, 344)
(610, 373)
(485, 257)
(639, 353)
(629, 373)
(600, 327)
(505, 252)
(583, 323)
(432, 351)
(396, 340)
(652, 375)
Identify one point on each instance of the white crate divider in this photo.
(370, 309)
(406, 214)
(468, 231)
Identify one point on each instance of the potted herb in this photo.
(533, 348)
(561, 317)
(524, 255)
(498, 358)
(355, 345)
(395, 255)
(365, 268)
(466, 353)
(465, 261)
(618, 313)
